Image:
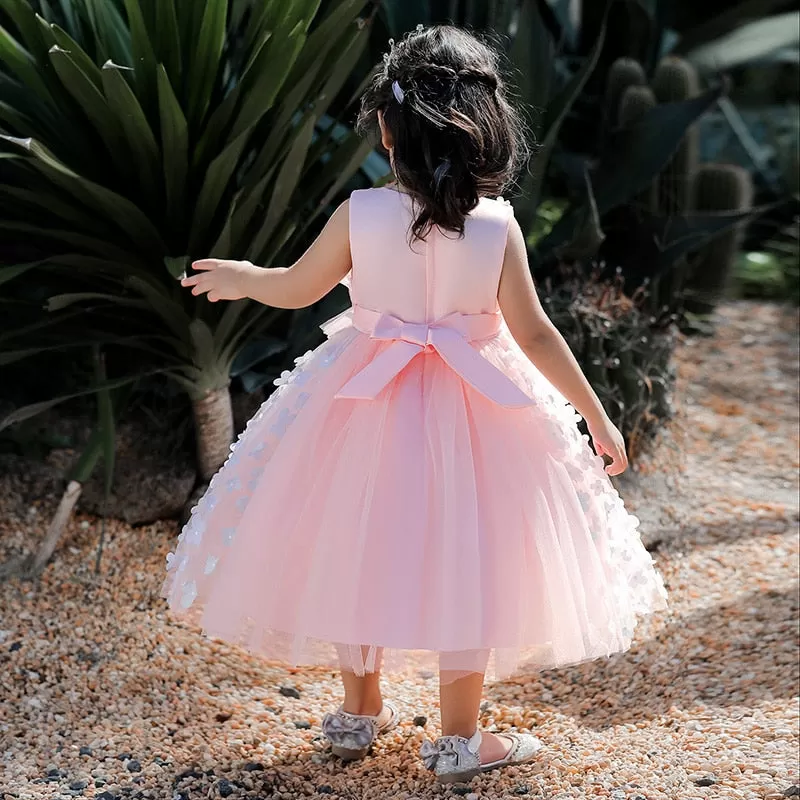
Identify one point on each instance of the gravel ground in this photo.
(104, 697)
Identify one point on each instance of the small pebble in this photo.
(85, 751)
(225, 788)
(302, 725)
(420, 721)
(290, 691)
(134, 766)
(80, 783)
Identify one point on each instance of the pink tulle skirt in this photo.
(428, 527)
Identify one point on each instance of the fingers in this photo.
(619, 462)
(199, 283)
(206, 264)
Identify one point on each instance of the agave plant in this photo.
(137, 135)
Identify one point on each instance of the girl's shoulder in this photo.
(389, 192)
(375, 194)
(379, 202)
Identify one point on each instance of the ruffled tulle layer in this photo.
(428, 522)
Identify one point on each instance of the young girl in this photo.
(417, 487)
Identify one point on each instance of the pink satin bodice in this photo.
(437, 295)
(429, 279)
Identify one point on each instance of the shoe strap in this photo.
(393, 713)
(474, 742)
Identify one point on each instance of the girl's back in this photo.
(426, 280)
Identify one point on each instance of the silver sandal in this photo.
(352, 735)
(455, 759)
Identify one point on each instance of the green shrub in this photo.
(625, 352)
(136, 136)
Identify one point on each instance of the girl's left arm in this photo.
(309, 279)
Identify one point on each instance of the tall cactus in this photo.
(717, 187)
(675, 80)
(636, 101)
(623, 74)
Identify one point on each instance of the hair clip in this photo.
(398, 93)
(441, 172)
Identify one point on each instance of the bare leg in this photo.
(460, 699)
(362, 694)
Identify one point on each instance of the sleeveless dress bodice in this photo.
(424, 280)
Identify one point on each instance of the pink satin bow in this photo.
(449, 337)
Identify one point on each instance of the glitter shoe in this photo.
(352, 735)
(454, 759)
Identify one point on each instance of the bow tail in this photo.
(375, 376)
(479, 373)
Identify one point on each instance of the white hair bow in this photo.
(398, 93)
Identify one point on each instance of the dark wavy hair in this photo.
(456, 137)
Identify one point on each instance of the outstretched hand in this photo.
(608, 441)
(220, 279)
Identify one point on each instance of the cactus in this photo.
(636, 101)
(717, 187)
(676, 80)
(623, 74)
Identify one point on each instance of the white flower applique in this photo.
(232, 482)
(281, 424)
(302, 360)
(284, 380)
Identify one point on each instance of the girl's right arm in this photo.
(308, 280)
(542, 343)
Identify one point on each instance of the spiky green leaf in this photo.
(205, 55)
(285, 183)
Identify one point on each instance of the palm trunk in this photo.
(213, 424)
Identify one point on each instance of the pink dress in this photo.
(415, 487)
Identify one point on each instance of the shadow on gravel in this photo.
(731, 654)
(775, 521)
(375, 778)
